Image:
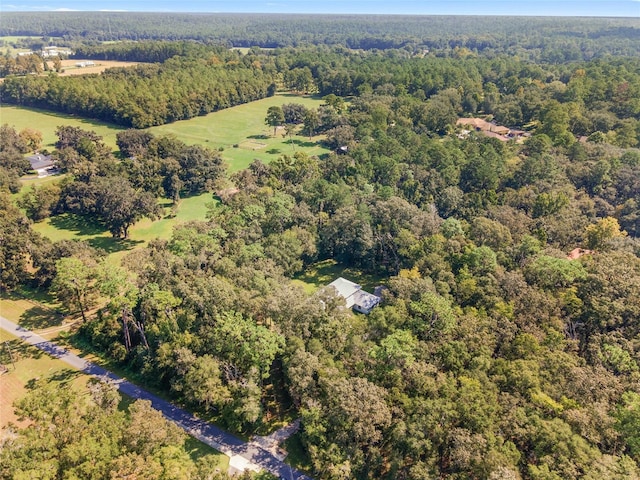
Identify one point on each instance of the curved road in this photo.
(243, 455)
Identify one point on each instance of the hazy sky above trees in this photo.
(614, 8)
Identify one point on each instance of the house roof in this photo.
(475, 123)
(502, 138)
(38, 162)
(346, 289)
(365, 300)
(500, 129)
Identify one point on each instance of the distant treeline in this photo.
(547, 39)
(148, 94)
(209, 78)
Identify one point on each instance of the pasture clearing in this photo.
(241, 135)
(47, 122)
(74, 227)
(236, 132)
(70, 67)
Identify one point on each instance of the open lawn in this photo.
(323, 273)
(238, 132)
(244, 127)
(46, 122)
(74, 227)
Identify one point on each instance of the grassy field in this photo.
(73, 227)
(240, 132)
(46, 122)
(241, 126)
(244, 127)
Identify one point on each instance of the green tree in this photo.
(119, 206)
(599, 234)
(75, 284)
(274, 118)
(628, 422)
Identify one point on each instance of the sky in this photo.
(591, 8)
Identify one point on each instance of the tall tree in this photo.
(274, 118)
(75, 285)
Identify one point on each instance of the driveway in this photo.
(242, 454)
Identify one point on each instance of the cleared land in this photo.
(242, 126)
(75, 227)
(238, 132)
(70, 67)
(46, 122)
(241, 133)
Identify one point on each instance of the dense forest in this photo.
(544, 39)
(507, 342)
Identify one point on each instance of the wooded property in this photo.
(416, 235)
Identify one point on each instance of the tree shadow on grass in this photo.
(303, 143)
(64, 375)
(113, 245)
(76, 223)
(18, 350)
(37, 318)
(259, 137)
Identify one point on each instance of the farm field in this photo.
(47, 122)
(70, 66)
(242, 126)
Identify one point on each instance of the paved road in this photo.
(242, 454)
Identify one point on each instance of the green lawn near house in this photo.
(321, 274)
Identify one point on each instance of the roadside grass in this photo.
(46, 122)
(323, 273)
(30, 364)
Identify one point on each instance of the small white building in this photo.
(354, 296)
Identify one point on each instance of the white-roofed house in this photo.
(354, 296)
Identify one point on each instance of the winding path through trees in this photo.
(242, 455)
